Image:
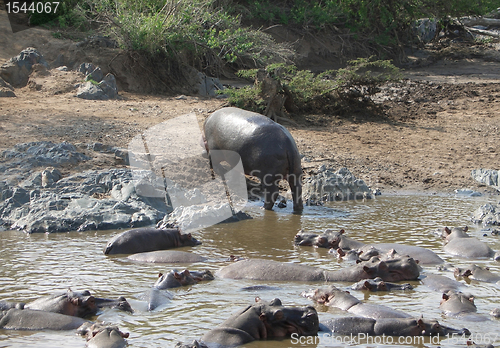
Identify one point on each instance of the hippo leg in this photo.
(296, 188)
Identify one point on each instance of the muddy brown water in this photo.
(40, 264)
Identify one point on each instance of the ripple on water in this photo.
(41, 264)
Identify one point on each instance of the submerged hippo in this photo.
(335, 240)
(174, 279)
(390, 327)
(5, 305)
(140, 240)
(263, 321)
(477, 273)
(167, 256)
(121, 303)
(266, 148)
(456, 303)
(337, 298)
(99, 335)
(28, 319)
(441, 283)
(78, 304)
(459, 243)
(378, 284)
(403, 268)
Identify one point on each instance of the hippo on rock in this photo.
(403, 268)
(343, 300)
(78, 304)
(335, 240)
(174, 279)
(459, 243)
(390, 327)
(267, 150)
(29, 319)
(263, 321)
(145, 239)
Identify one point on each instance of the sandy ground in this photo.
(435, 128)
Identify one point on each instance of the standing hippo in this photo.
(140, 240)
(459, 243)
(78, 304)
(267, 150)
(403, 268)
(261, 321)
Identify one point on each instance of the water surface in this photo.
(40, 264)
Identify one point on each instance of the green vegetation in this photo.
(307, 91)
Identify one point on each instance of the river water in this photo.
(40, 264)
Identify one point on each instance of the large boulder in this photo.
(330, 185)
(17, 69)
(487, 214)
(96, 85)
(488, 177)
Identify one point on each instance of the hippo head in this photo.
(335, 238)
(392, 270)
(332, 296)
(304, 239)
(82, 304)
(101, 332)
(281, 321)
(174, 279)
(455, 232)
(187, 240)
(426, 327)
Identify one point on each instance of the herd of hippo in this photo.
(269, 152)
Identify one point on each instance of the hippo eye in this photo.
(86, 293)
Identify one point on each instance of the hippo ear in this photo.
(367, 285)
(257, 299)
(342, 231)
(420, 323)
(445, 297)
(275, 302)
(466, 228)
(125, 335)
(189, 236)
(160, 274)
(186, 273)
(340, 252)
(447, 230)
(177, 275)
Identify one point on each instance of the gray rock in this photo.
(208, 86)
(328, 185)
(17, 69)
(90, 91)
(6, 90)
(468, 192)
(425, 28)
(108, 85)
(488, 177)
(487, 214)
(95, 75)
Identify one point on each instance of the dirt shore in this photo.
(436, 126)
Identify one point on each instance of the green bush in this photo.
(331, 89)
